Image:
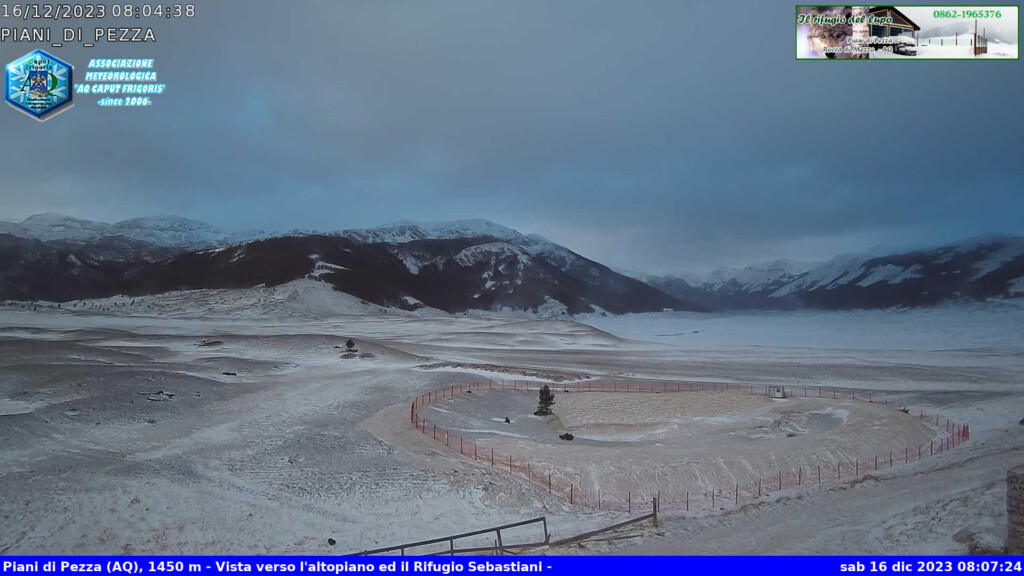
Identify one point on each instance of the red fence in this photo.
(728, 497)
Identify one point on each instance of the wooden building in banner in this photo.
(901, 25)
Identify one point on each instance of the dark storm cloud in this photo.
(650, 135)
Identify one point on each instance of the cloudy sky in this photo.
(652, 135)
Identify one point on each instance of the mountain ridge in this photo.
(979, 267)
(453, 275)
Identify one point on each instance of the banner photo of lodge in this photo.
(907, 32)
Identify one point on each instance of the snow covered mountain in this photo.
(161, 231)
(406, 231)
(481, 265)
(453, 266)
(48, 227)
(454, 275)
(978, 268)
(573, 264)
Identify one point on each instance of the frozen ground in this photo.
(129, 432)
(677, 443)
(995, 324)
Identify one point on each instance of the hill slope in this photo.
(988, 267)
(454, 275)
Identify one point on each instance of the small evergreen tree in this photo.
(545, 400)
(350, 344)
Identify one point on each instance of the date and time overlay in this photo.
(42, 84)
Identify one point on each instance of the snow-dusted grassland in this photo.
(230, 422)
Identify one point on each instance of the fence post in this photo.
(446, 438)
(687, 500)
(510, 464)
(890, 458)
(819, 473)
(800, 476)
(492, 456)
(549, 482)
(570, 493)
(780, 479)
(435, 431)
(629, 502)
(737, 498)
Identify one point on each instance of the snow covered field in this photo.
(217, 431)
(948, 47)
(994, 324)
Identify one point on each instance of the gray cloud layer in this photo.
(653, 135)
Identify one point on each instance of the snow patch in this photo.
(891, 274)
(998, 258)
(490, 251)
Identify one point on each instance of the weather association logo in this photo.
(40, 85)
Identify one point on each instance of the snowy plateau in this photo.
(170, 390)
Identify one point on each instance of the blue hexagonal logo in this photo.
(40, 85)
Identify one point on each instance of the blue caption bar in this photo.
(561, 565)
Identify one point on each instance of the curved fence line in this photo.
(732, 497)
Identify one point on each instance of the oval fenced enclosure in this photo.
(694, 447)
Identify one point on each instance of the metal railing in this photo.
(499, 547)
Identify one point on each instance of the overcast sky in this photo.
(652, 135)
